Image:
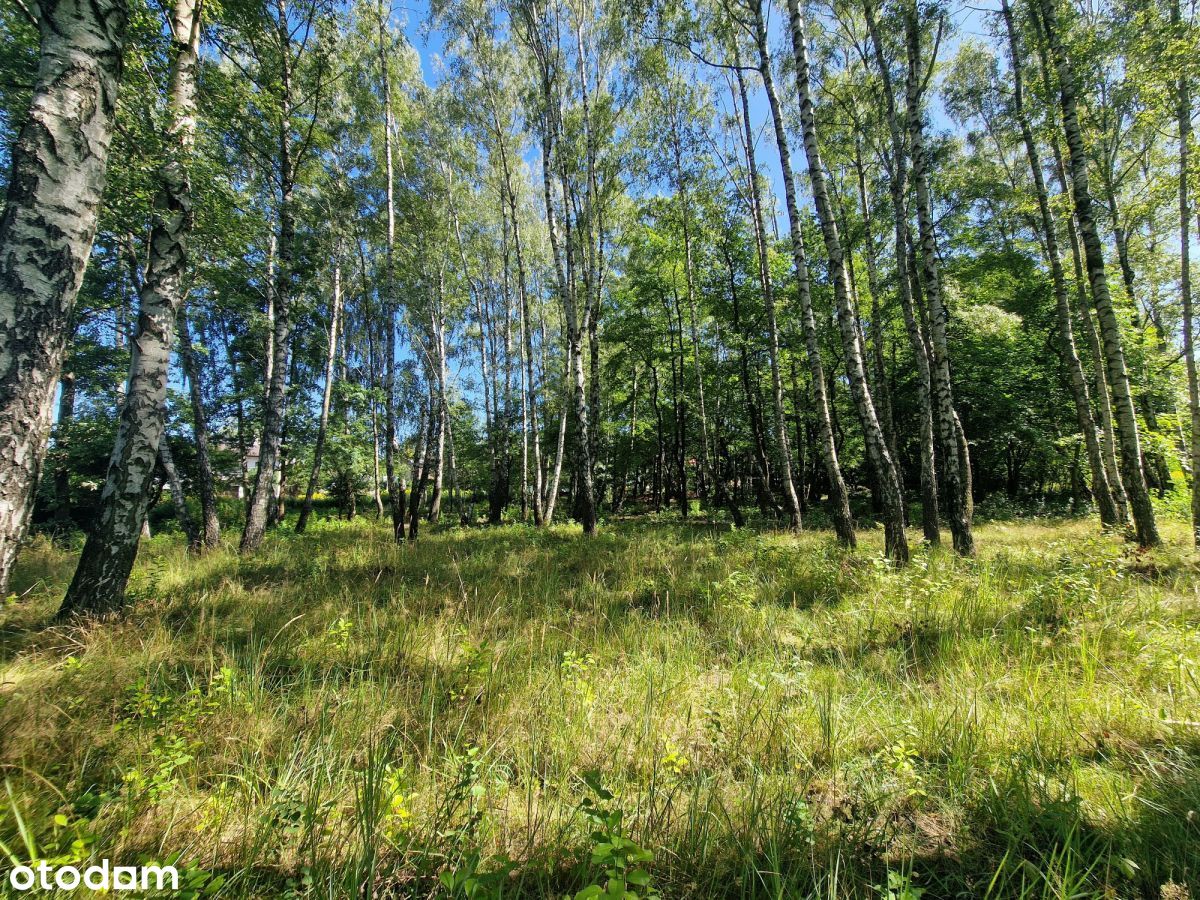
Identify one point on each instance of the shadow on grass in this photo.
(1021, 837)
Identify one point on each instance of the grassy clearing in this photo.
(772, 717)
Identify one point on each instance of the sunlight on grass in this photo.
(770, 716)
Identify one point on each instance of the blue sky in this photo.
(968, 21)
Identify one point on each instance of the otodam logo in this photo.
(101, 877)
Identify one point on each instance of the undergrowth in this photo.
(661, 711)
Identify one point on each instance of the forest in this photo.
(360, 536)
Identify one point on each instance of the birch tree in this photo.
(876, 444)
(56, 179)
(108, 554)
(1114, 352)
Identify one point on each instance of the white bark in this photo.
(764, 276)
(878, 454)
(956, 463)
(55, 184)
(108, 554)
(1110, 332)
(335, 314)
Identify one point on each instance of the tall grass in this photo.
(770, 716)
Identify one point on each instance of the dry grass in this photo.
(774, 717)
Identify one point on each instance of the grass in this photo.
(491, 712)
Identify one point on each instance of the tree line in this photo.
(834, 262)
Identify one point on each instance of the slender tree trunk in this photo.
(314, 475)
(178, 499)
(529, 385)
(108, 554)
(707, 479)
(55, 183)
(396, 495)
(595, 401)
(1075, 374)
(498, 488)
(619, 499)
(1108, 431)
(1120, 238)
(62, 474)
(839, 501)
(373, 370)
(439, 336)
(1108, 428)
(505, 417)
(759, 459)
(206, 483)
(764, 277)
(727, 497)
(678, 400)
(1112, 468)
(376, 493)
(237, 380)
(956, 462)
(574, 328)
(879, 389)
(1114, 353)
(1158, 473)
(270, 443)
(1184, 118)
(423, 447)
(277, 509)
(664, 443)
(532, 432)
(898, 177)
(583, 460)
(681, 187)
(876, 444)
(552, 482)
(592, 228)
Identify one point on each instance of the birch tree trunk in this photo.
(878, 455)
(530, 431)
(583, 459)
(423, 447)
(897, 180)
(758, 457)
(707, 479)
(62, 474)
(591, 228)
(574, 329)
(108, 554)
(880, 388)
(839, 498)
(438, 323)
(369, 329)
(1114, 353)
(262, 496)
(1184, 118)
(56, 180)
(529, 385)
(552, 481)
(206, 485)
(271, 440)
(1075, 374)
(1112, 468)
(764, 276)
(956, 463)
(314, 475)
(396, 494)
(178, 499)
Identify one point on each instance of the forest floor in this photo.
(509, 712)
